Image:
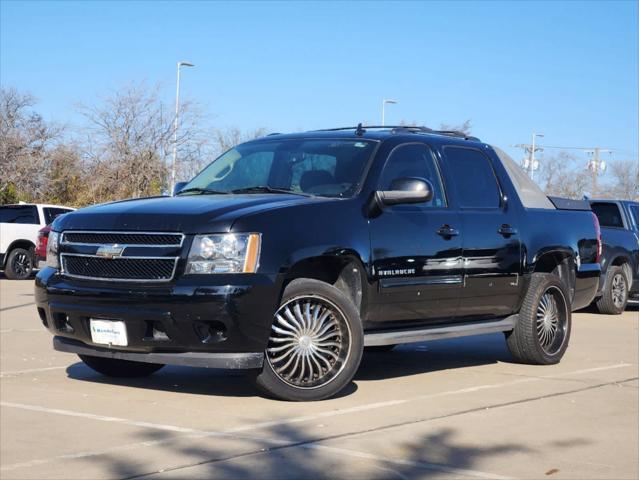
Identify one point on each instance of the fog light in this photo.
(210, 332)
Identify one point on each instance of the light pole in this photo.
(531, 166)
(384, 102)
(176, 122)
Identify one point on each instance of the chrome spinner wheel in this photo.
(551, 320)
(310, 342)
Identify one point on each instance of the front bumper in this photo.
(183, 323)
(187, 359)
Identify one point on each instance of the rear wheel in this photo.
(113, 367)
(19, 264)
(315, 346)
(615, 292)
(542, 331)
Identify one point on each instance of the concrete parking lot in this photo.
(451, 409)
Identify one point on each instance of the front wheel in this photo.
(113, 367)
(542, 331)
(315, 345)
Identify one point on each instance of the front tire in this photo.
(542, 331)
(19, 264)
(615, 292)
(315, 346)
(113, 367)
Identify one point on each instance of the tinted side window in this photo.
(414, 160)
(608, 214)
(50, 214)
(474, 178)
(27, 214)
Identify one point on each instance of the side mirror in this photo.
(406, 190)
(178, 187)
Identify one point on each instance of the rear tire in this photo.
(315, 346)
(113, 367)
(614, 299)
(542, 331)
(19, 264)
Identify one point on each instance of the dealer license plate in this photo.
(108, 332)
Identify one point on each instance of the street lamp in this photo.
(533, 166)
(176, 123)
(384, 102)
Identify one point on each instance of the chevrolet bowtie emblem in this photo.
(110, 251)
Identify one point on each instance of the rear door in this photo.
(491, 244)
(416, 248)
(18, 222)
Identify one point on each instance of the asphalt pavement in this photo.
(457, 408)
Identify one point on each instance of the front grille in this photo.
(123, 238)
(149, 269)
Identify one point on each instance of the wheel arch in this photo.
(624, 262)
(560, 262)
(345, 271)
(21, 243)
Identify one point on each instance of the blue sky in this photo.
(566, 69)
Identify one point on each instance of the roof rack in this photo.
(360, 129)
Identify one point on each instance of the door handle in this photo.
(507, 230)
(447, 231)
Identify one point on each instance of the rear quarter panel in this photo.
(569, 234)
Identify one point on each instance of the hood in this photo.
(186, 214)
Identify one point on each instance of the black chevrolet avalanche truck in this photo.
(289, 255)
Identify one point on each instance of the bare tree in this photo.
(227, 138)
(25, 142)
(465, 127)
(130, 137)
(625, 180)
(562, 176)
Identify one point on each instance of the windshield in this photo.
(331, 168)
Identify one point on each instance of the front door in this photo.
(416, 248)
(491, 243)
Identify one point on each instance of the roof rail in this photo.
(403, 128)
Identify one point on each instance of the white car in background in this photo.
(19, 226)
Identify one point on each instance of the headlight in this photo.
(53, 260)
(224, 253)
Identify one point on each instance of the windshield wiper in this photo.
(267, 189)
(202, 191)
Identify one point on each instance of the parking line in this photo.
(16, 306)
(31, 370)
(102, 418)
(261, 425)
(11, 330)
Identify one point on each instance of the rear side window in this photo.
(414, 160)
(474, 178)
(19, 214)
(50, 214)
(608, 214)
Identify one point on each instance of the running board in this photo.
(395, 337)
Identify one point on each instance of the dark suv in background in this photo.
(289, 254)
(619, 221)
